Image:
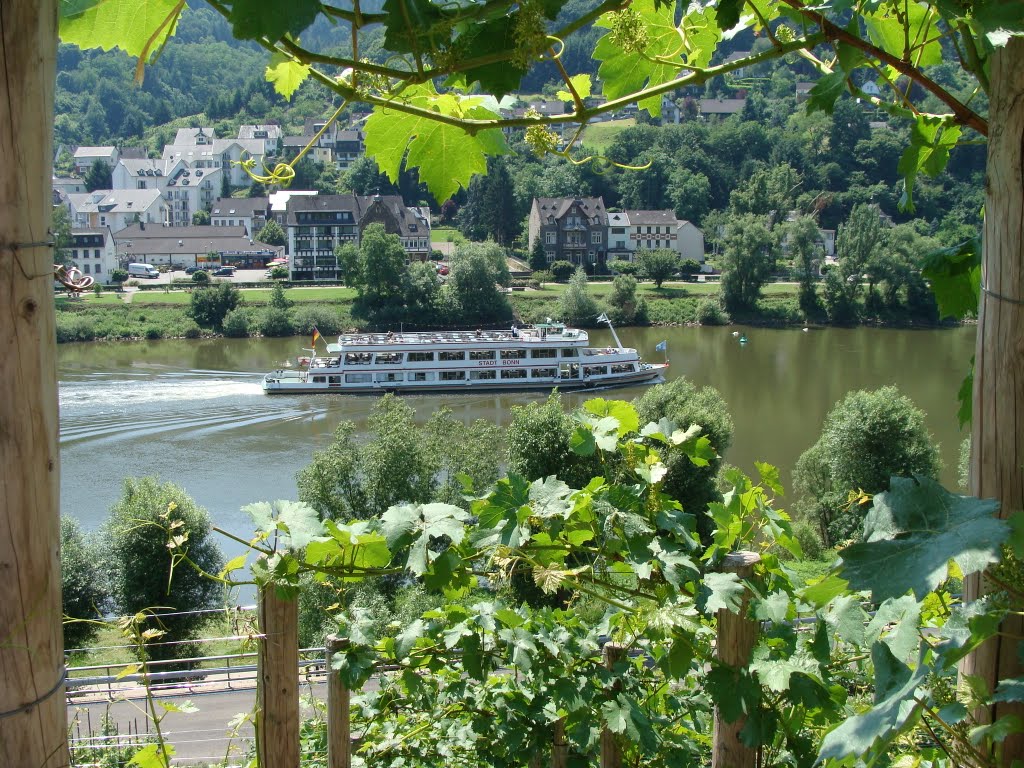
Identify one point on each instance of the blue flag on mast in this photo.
(662, 347)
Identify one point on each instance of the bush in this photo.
(623, 267)
(326, 319)
(810, 541)
(710, 312)
(542, 276)
(276, 322)
(577, 306)
(202, 277)
(562, 270)
(153, 333)
(84, 594)
(193, 331)
(211, 305)
(139, 564)
(868, 437)
(237, 324)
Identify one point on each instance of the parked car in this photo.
(442, 269)
(224, 272)
(192, 270)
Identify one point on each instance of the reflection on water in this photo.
(192, 412)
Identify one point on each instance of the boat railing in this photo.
(519, 335)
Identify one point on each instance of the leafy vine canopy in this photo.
(451, 66)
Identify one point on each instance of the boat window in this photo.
(357, 358)
(481, 354)
(538, 354)
(421, 376)
(387, 376)
(513, 373)
(388, 358)
(356, 378)
(421, 357)
(483, 375)
(452, 375)
(513, 354)
(334, 381)
(460, 355)
(623, 368)
(568, 352)
(544, 373)
(319, 379)
(595, 370)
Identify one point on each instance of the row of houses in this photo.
(315, 225)
(582, 231)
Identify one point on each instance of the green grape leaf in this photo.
(414, 25)
(968, 626)
(1010, 690)
(728, 13)
(417, 526)
(186, 707)
(286, 74)
(774, 674)
(955, 277)
(352, 546)
(775, 608)
(480, 40)
(822, 592)
(153, 756)
(965, 396)
(296, 523)
(582, 441)
(931, 139)
(720, 591)
(825, 91)
(522, 645)
(622, 415)
(912, 39)
(901, 617)
(893, 711)
(582, 85)
(75, 7)
(734, 691)
(447, 156)
(626, 71)
(701, 34)
(253, 19)
(406, 640)
(124, 24)
(913, 530)
(846, 618)
(770, 477)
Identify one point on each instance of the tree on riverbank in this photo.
(151, 529)
(867, 438)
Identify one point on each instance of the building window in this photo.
(595, 238)
(85, 269)
(96, 253)
(618, 230)
(549, 238)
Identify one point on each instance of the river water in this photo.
(192, 412)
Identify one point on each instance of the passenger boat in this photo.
(542, 356)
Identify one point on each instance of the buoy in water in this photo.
(805, 330)
(743, 339)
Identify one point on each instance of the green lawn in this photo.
(334, 293)
(446, 235)
(673, 290)
(599, 136)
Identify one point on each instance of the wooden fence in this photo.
(278, 690)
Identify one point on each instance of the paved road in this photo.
(198, 737)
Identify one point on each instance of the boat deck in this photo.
(531, 335)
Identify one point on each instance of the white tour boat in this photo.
(542, 356)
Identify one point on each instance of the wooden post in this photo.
(277, 694)
(997, 423)
(33, 712)
(559, 746)
(611, 749)
(736, 638)
(339, 724)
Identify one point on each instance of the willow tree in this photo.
(448, 132)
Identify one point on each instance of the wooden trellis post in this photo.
(737, 636)
(559, 746)
(277, 694)
(611, 749)
(339, 724)
(33, 712)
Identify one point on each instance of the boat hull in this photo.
(288, 383)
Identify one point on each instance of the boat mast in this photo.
(603, 318)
